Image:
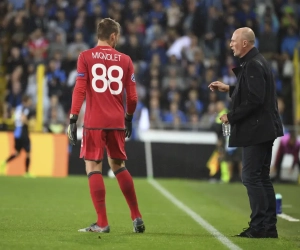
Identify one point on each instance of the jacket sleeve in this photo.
(231, 89)
(256, 89)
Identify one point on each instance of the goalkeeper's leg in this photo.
(97, 190)
(127, 187)
(115, 145)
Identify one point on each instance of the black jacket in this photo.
(254, 116)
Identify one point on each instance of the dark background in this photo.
(169, 160)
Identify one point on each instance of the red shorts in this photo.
(94, 142)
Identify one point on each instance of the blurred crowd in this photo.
(177, 46)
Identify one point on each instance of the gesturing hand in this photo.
(224, 118)
(217, 85)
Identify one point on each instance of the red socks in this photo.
(126, 185)
(97, 191)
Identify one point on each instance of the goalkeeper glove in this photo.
(128, 125)
(72, 130)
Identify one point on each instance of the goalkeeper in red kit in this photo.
(102, 75)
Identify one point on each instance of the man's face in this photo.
(236, 44)
(27, 103)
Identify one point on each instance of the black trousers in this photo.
(255, 177)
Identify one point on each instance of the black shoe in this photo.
(252, 233)
(138, 225)
(271, 233)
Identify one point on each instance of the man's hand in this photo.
(224, 119)
(128, 125)
(218, 86)
(72, 130)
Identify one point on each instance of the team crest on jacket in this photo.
(132, 78)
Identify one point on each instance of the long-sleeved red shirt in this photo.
(103, 74)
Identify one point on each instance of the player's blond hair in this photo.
(106, 27)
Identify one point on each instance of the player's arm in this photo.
(78, 97)
(131, 99)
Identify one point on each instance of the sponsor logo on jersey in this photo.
(80, 74)
(132, 78)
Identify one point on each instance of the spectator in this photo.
(289, 144)
(194, 122)
(133, 48)
(269, 17)
(155, 113)
(15, 59)
(173, 14)
(172, 42)
(174, 77)
(62, 22)
(193, 104)
(79, 28)
(189, 52)
(77, 46)
(208, 118)
(95, 12)
(268, 42)
(39, 19)
(55, 125)
(59, 115)
(158, 12)
(18, 4)
(135, 9)
(17, 75)
(289, 42)
(38, 46)
(227, 73)
(13, 99)
(173, 65)
(245, 13)
(55, 79)
(214, 32)
(18, 28)
(58, 45)
(189, 17)
(174, 116)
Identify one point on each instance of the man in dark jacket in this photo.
(255, 124)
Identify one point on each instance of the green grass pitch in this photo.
(45, 213)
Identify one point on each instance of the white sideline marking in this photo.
(208, 227)
(286, 206)
(287, 217)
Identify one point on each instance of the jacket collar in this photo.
(253, 52)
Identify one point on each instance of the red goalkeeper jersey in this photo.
(102, 75)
